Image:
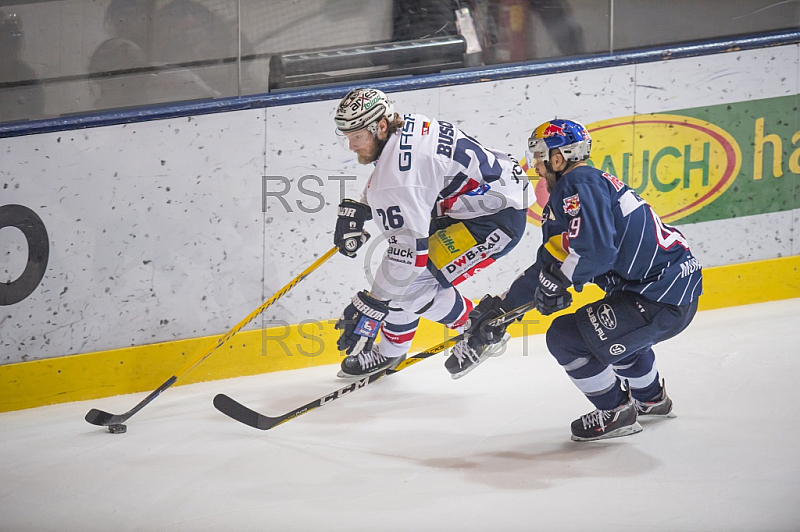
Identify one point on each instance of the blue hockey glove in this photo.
(551, 295)
(360, 323)
(349, 235)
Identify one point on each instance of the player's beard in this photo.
(366, 159)
(372, 152)
(549, 177)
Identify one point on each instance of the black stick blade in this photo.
(102, 419)
(242, 414)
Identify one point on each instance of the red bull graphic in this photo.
(552, 130)
(572, 205)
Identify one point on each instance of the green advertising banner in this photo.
(703, 164)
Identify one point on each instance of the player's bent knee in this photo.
(564, 341)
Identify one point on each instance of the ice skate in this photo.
(602, 424)
(463, 358)
(367, 363)
(661, 407)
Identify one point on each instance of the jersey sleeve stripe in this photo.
(554, 247)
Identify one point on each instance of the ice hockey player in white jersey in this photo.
(597, 229)
(448, 208)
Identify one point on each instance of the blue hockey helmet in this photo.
(568, 136)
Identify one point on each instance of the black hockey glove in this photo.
(360, 323)
(350, 235)
(551, 295)
(477, 331)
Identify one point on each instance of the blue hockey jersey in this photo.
(601, 231)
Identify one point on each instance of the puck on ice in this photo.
(117, 429)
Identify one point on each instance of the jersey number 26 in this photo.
(391, 217)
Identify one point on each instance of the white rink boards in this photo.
(172, 229)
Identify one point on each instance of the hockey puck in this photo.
(117, 429)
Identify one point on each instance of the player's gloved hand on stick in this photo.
(478, 331)
(350, 235)
(551, 295)
(360, 323)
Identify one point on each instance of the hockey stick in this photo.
(98, 417)
(243, 414)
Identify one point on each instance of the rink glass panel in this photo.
(70, 56)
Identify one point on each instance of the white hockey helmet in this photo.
(362, 108)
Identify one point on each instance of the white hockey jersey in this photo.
(432, 168)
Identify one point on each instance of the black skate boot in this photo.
(661, 407)
(464, 358)
(367, 363)
(601, 424)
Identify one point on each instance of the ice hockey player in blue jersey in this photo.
(596, 229)
(448, 208)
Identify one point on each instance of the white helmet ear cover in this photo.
(537, 149)
(361, 108)
(576, 152)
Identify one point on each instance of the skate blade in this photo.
(347, 376)
(647, 417)
(481, 361)
(456, 376)
(500, 346)
(620, 432)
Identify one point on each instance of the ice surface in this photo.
(419, 451)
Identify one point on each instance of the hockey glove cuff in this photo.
(360, 323)
(349, 235)
(551, 294)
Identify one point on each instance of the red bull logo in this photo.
(552, 130)
(572, 205)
